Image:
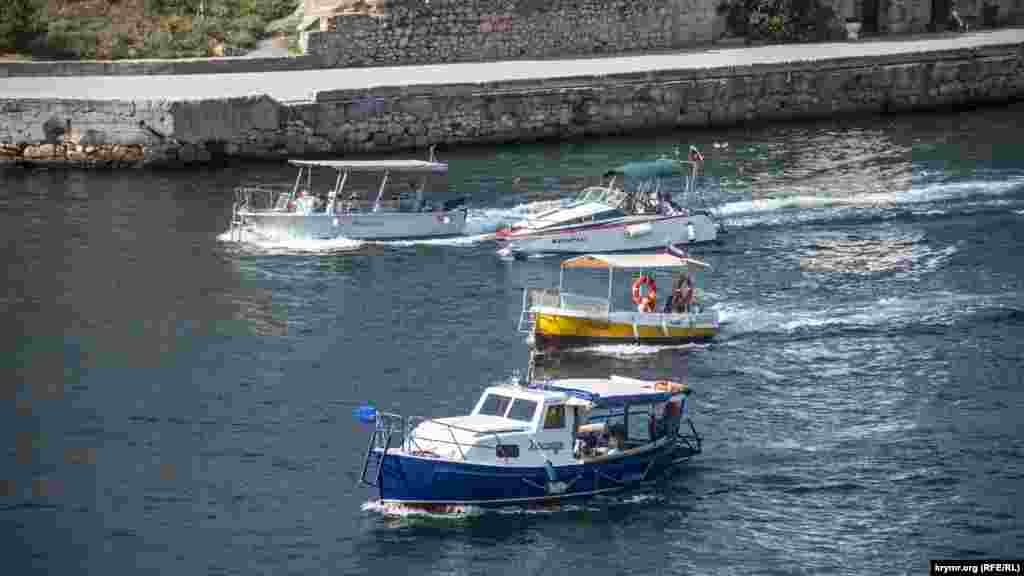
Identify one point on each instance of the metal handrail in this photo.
(413, 421)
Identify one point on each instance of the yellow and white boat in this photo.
(557, 319)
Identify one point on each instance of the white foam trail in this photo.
(935, 192)
(632, 350)
(292, 245)
(446, 512)
(941, 308)
(455, 241)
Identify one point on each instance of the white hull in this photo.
(355, 225)
(628, 234)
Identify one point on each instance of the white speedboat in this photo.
(300, 212)
(521, 445)
(638, 216)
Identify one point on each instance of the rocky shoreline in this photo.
(71, 154)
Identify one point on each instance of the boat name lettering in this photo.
(552, 446)
(577, 238)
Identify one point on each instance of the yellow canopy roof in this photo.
(605, 261)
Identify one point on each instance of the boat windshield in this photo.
(495, 405)
(610, 196)
(522, 409)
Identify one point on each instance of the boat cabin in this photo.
(558, 422)
(563, 299)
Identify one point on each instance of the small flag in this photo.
(365, 414)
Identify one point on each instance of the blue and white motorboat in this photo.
(528, 444)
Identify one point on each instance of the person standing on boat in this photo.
(682, 295)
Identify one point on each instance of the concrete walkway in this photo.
(288, 86)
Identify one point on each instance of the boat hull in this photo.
(629, 234)
(416, 480)
(357, 226)
(554, 329)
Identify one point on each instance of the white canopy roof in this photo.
(376, 165)
(605, 261)
(617, 390)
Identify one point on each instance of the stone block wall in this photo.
(513, 111)
(84, 132)
(385, 120)
(433, 31)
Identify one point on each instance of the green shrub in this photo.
(75, 37)
(19, 20)
(271, 10)
(252, 24)
(120, 47)
(159, 44)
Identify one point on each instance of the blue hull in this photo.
(417, 480)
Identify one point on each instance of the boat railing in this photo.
(411, 440)
(262, 197)
(535, 297)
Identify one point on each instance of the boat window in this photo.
(554, 418)
(522, 409)
(495, 405)
(506, 451)
(640, 419)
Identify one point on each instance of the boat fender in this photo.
(691, 235)
(638, 230)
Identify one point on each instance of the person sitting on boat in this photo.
(303, 202)
(682, 294)
(617, 441)
(321, 204)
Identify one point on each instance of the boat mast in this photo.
(298, 180)
(380, 193)
(338, 185)
(611, 273)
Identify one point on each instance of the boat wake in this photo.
(635, 350)
(936, 312)
(252, 243)
(759, 211)
(450, 513)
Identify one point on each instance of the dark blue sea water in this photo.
(176, 404)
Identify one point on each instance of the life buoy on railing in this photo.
(648, 302)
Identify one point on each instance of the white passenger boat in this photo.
(557, 319)
(549, 441)
(640, 215)
(302, 212)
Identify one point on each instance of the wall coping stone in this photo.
(232, 65)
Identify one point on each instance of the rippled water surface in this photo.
(177, 404)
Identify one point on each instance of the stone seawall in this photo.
(433, 31)
(391, 119)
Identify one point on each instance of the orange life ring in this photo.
(652, 291)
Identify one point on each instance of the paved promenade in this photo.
(286, 86)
